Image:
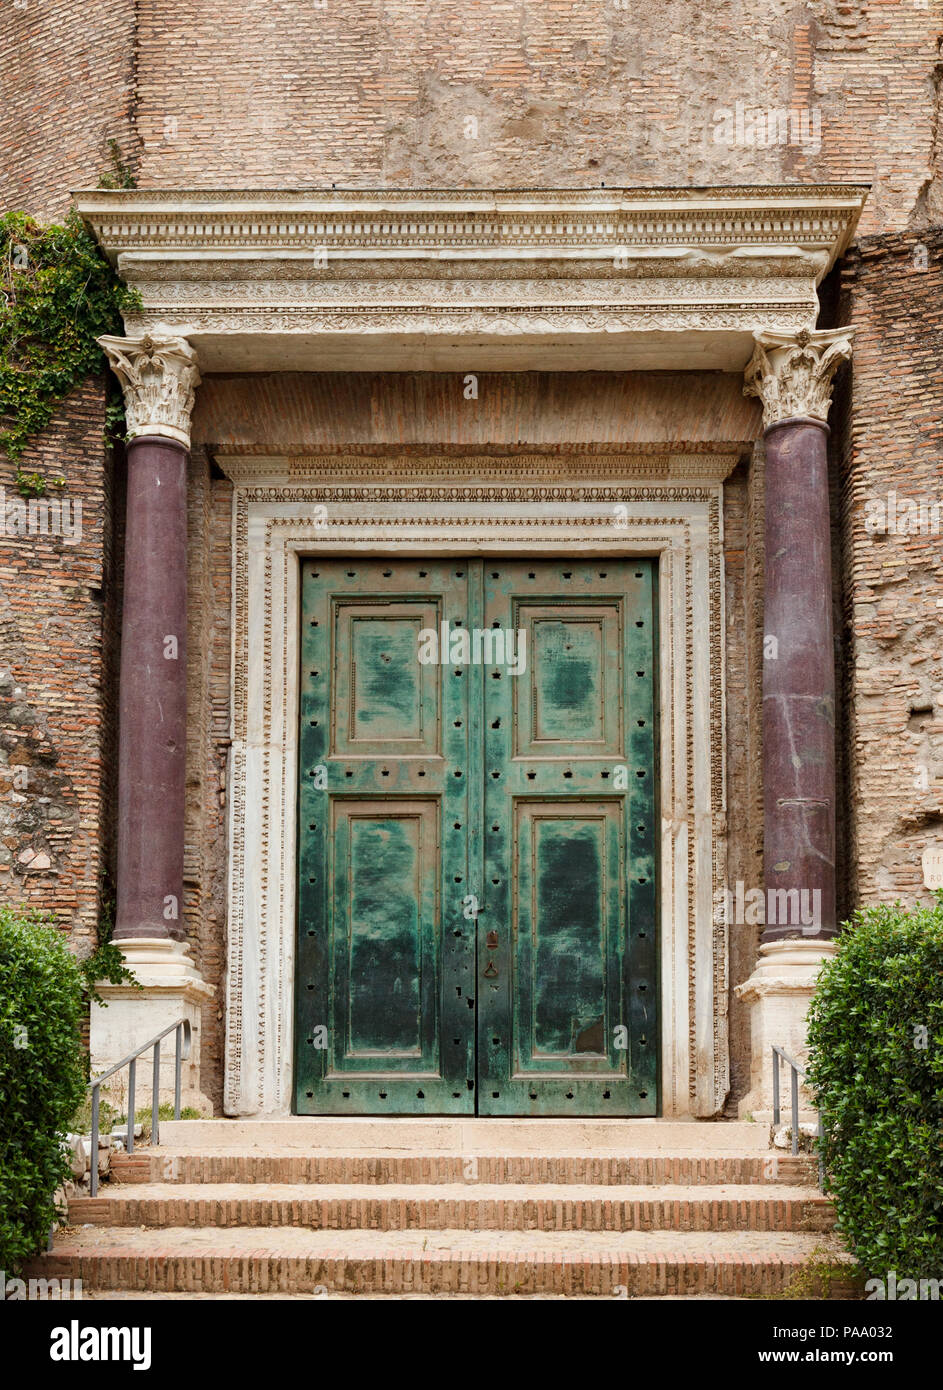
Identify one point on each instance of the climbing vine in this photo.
(57, 294)
(119, 174)
(106, 962)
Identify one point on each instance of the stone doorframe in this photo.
(531, 506)
(654, 279)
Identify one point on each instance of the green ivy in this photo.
(57, 295)
(876, 1070)
(106, 962)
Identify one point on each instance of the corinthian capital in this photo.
(792, 372)
(158, 375)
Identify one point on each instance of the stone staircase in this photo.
(471, 1208)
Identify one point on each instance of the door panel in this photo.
(568, 988)
(384, 939)
(490, 821)
(568, 701)
(566, 934)
(385, 702)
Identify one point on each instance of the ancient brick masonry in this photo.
(380, 95)
(893, 578)
(67, 90)
(208, 696)
(66, 95)
(56, 687)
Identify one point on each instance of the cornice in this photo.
(574, 221)
(645, 278)
(381, 474)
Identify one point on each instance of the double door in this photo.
(476, 838)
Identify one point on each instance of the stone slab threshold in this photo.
(465, 1135)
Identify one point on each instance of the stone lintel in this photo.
(647, 279)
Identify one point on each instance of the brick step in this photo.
(336, 1295)
(291, 1260)
(465, 1206)
(167, 1165)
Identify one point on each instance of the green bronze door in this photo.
(476, 924)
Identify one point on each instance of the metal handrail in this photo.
(779, 1055)
(182, 1029)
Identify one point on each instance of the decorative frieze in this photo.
(789, 215)
(367, 478)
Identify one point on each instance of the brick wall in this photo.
(292, 93)
(295, 92)
(56, 672)
(891, 419)
(66, 89)
(209, 586)
(66, 93)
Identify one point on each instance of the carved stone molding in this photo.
(792, 373)
(557, 279)
(275, 523)
(783, 215)
(491, 478)
(158, 374)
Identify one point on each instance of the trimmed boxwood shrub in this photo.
(876, 1070)
(43, 1074)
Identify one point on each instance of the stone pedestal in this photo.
(171, 989)
(779, 993)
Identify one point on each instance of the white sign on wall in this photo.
(933, 867)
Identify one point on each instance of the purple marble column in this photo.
(159, 377)
(798, 685)
(793, 375)
(152, 717)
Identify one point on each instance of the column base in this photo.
(779, 993)
(171, 989)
